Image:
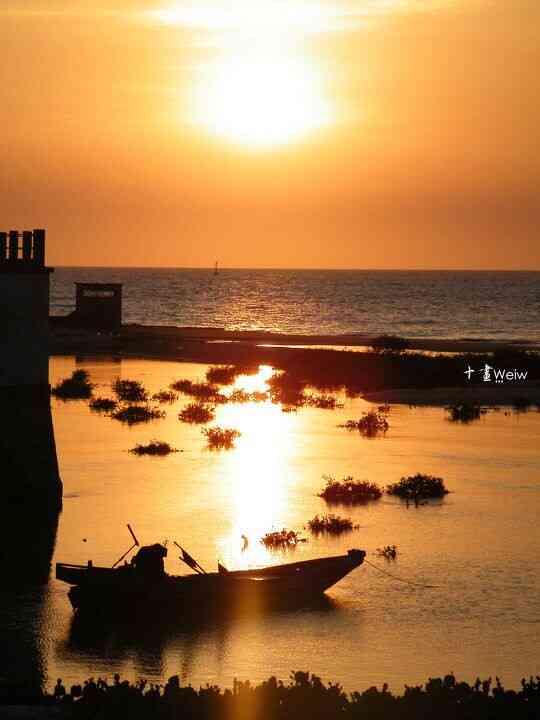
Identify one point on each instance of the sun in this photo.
(261, 98)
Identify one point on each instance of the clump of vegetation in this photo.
(418, 487)
(221, 438)
(389, 342)
(183, 386)
(197, 413)
(282, 539)
(76, 387)
(330, 524)
(349, 491)
(103, 404)
(324, 402)
(222, 374)
(239, 396)
(133, 414)
(129, 390)
(389, 552)
(202, 391)
(289, 408)
(371, 424)
(154, 447)
(165, 397)
(227, 374)
(465, 412)
(287, 389)
(258, 396)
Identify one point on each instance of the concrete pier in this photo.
(31, 480)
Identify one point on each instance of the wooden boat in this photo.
(146, 585)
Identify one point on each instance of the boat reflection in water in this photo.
(156, 646)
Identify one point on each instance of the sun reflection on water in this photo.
(258, 472)
(254, 383)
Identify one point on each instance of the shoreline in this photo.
(414, 378)
(149, 336)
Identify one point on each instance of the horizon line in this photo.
(304, 269)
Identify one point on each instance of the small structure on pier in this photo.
(27, 447)
(98, 307)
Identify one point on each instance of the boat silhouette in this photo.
(143, 582)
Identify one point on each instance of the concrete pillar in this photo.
(27, 447)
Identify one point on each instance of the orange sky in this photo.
(274, 133)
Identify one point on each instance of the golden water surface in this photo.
(478, 547)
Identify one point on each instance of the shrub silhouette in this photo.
(349, 491)
(197, 413)
(330, 524)
(133, 414)
(154, 447)
(129, 390)
(418, 487)
(165, 396)
(201, 391)
(304, 697)
(371, 424)
(76, 387)
(324, 402)
(281, 539)
(103, 404)
(221, 438)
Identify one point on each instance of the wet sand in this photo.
(492, 396)
(322, 360)
(170, 341)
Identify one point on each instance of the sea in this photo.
(419, 304)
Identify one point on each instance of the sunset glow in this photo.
(261, 99)
(388, 134)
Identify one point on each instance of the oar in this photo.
(135, 544)
(190, 561)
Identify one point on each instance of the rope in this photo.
(409, 582)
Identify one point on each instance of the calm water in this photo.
(416, 304)
(479, 547)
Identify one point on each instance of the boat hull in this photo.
(124, 590)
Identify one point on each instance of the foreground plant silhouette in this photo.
(304, 697)
(76, 387)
